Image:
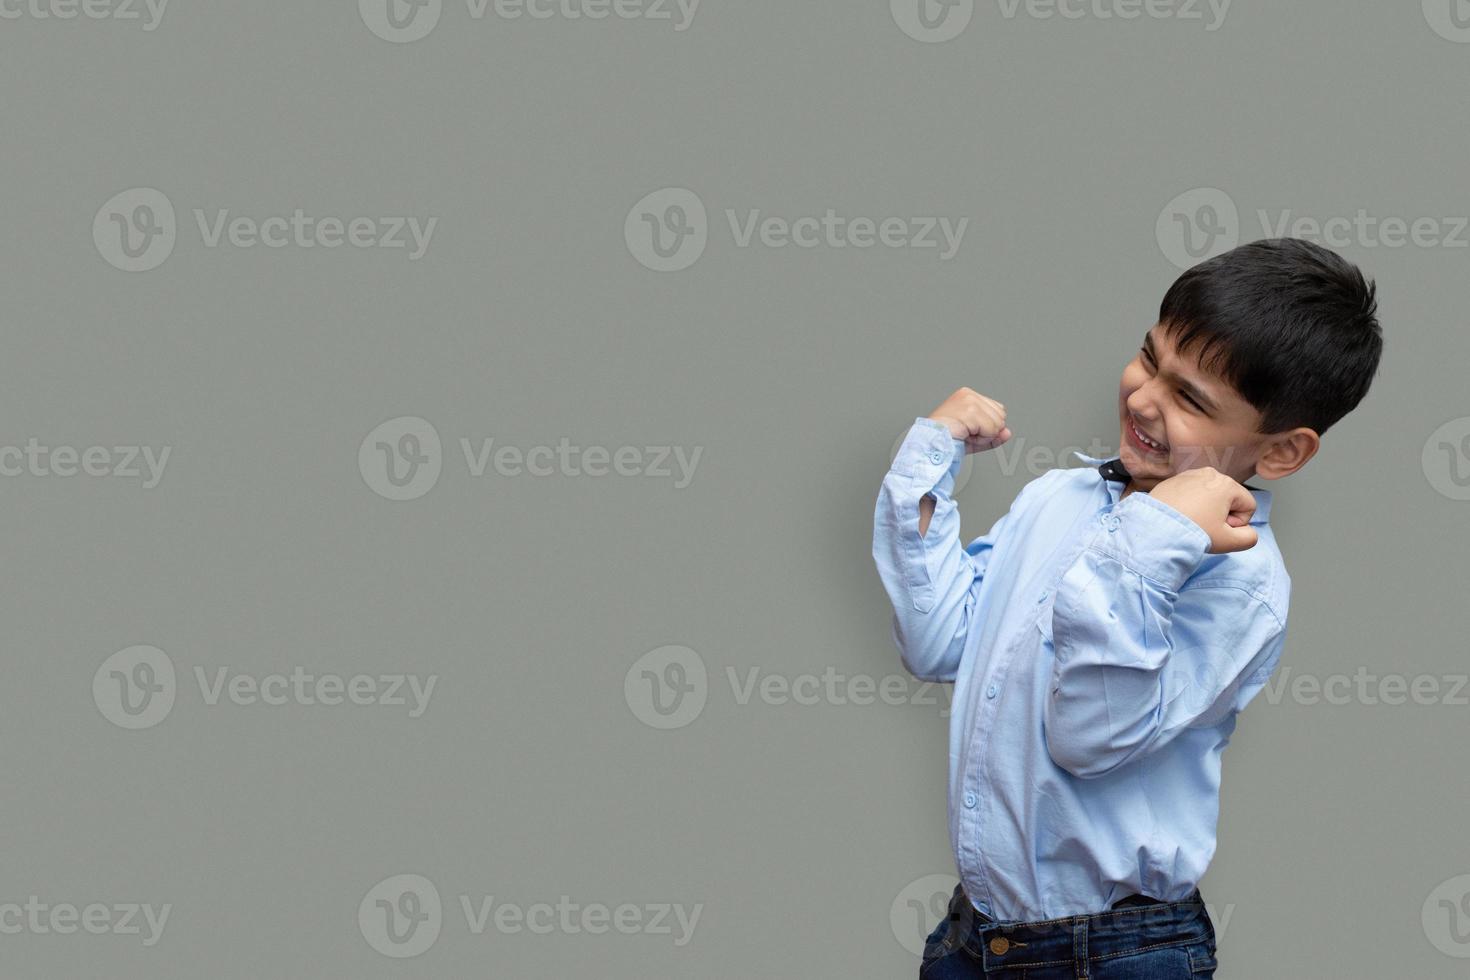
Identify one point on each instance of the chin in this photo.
(1147, 471)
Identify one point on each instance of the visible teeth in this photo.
(1145, 439)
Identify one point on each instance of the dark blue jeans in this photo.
(1145, 942)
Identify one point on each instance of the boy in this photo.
(1106, 631)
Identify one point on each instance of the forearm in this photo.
(1141, 655)
(916, 546)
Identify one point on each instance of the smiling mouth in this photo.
(1143, 440)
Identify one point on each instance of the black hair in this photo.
(1290, 325)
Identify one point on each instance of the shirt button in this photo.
(991, 691)
(936, 457)
(970, 800)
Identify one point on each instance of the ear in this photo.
(1287, 452)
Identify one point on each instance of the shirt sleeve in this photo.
(1140, 654)
(932, 580)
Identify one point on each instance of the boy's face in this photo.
(1198, 419)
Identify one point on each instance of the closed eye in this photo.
(1148, 360)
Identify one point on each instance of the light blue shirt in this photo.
(1099, 655)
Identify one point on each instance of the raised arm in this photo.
(930, 577)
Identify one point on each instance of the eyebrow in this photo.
(1189, 387)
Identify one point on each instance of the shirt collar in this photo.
(1114, 477)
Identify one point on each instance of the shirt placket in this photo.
(985, 700)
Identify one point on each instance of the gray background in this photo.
(529, 777)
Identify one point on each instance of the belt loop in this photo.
(1079, 946)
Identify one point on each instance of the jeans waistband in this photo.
(1004, 944)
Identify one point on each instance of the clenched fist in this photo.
(978, 420)
(1219, 505)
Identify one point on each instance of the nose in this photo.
(1141, 404)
